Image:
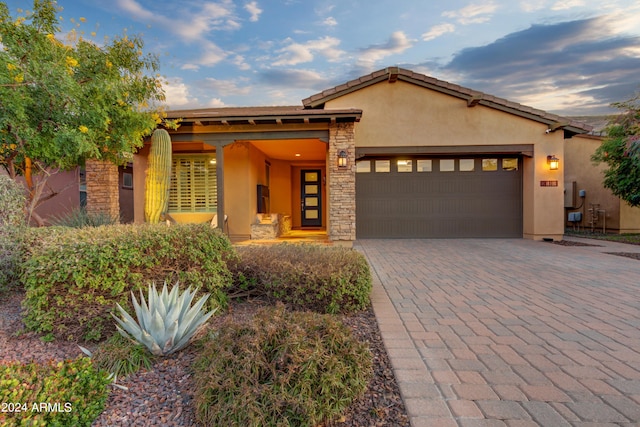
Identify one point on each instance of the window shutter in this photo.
(193, 185)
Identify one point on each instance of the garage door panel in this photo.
(439, 204)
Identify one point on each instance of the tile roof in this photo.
(473, 97)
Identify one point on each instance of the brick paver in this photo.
(510, 332)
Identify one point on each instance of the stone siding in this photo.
(102, 188)
(342, 183)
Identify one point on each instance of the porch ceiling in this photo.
(286, 149)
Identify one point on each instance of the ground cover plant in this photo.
(631, 238)
(74, 277)
(70, 393)
(78, 218)
(325, 279)
(283, 368)
(121, 356)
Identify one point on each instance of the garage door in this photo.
(439, 197)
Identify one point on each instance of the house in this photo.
(588, 205)
(393, 154)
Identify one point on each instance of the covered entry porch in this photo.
(268, 171)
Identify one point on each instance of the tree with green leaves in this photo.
(65, 101)
(620, 150)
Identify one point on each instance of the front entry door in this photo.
(311, 198)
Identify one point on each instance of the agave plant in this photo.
(168, 323)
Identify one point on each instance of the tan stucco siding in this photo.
(588, 176)
(403, 114)
(629, 218)
(280, 187)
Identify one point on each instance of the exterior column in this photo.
(342, 183)
(102, 188)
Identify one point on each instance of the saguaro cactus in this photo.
(158, 176)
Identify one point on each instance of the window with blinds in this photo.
(193, 184)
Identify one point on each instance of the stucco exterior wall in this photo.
(239, 190)
(618, 216)
(280, 183)
(404, 114)
(67, 186)
(629, 218)
(139, 181)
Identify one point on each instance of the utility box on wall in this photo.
(575, 216)
(570, 189)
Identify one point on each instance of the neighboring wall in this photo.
(67, 186)
(617, 215)
(404, 114)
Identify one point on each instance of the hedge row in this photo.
(75, 277)
(325, 279)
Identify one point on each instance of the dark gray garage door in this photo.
(439, 197)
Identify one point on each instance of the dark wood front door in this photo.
(311, 197)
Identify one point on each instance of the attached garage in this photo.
(439, 197)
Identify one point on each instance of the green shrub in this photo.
(282, 369)
(121, 356)
(79, 218)
(75, 277)
(12, 225)
(326, 279)
(72, 393)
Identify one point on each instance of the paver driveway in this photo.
(510, 332)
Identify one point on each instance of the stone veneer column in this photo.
(102, 188)
(342, 183)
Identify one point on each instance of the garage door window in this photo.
(424, 165)
(363, 166)
(404, 165)
(467, 165)
(489, 165)
(383, 166)
(447, 165)
(510, 164)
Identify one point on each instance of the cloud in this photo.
(216, 103)
(532, 5)
(238, 86)
(397, 43)
(191, 27)
(577, 65)
(210, 55)
(472, 14)
(437, 31)
(177, 93)
(567, 4)
(297, 53)
(298, 79)
(330, 22)
(253, 10)
(188, 26)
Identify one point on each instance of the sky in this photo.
(568, 57)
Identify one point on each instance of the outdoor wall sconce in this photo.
(553, 162)
(342, 159)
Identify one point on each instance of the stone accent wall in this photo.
(342, 183)
(102, 188)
